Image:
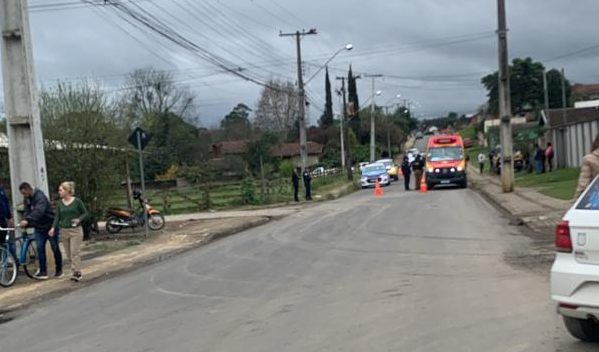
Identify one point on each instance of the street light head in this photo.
(349, 46)
(378, 92)
(398, 96)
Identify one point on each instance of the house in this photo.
(285, 151)
(291, 152)
(571, 132)
(583, 92)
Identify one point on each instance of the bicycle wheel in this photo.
(31, 263)
(8, 268)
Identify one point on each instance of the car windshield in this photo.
(446, 153)
(374, 168)
(590, 201)
(386, 163)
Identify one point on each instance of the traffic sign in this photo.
(144, 138)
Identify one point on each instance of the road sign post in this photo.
(140, 139)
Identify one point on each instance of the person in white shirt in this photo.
(481, 162)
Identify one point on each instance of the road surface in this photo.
(441, 271)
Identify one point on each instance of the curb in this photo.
(514, 219)
(9, 312)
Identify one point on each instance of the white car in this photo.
(575, 271)
(373, 173)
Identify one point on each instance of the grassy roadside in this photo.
(559, 184)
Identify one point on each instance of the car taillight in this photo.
(563, 242)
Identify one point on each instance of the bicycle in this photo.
(8, 264)
(26, 255)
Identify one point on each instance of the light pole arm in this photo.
(323, 66)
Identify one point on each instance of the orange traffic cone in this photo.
(423, 186)
(378, 191)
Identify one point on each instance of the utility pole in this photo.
(346, 130)
(341, 131)
(545, 91)
(301, 93)
(563, 96)
(26, 143)
(372, 123)
(505, 109)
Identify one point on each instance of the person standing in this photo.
(589, 169)
(405, 169)
(69, 215)
(418, 168)
(5, 220)
(481, 162)
(549, 154)
(491, 164)
(295, 182)
(39, 215)
(307, 183)
(539, 159)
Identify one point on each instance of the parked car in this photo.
(468, 143)
(419, 135)
(372, 173)
(575, 274)
(392, 169)
(362, 164)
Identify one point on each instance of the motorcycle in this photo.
(119, 218)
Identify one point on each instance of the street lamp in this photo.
(347, 47)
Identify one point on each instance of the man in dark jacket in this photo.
(307, 183)
(39, 215)
(406, 171)
(295, 181)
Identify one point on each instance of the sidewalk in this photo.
(539, 212)
(182, 233)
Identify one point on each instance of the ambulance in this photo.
(445, 161)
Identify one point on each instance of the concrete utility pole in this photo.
(26, 144)
(346, 130)
(301, 93)
(372, 123)
(505, 109)
(341, 131)
(545, 91)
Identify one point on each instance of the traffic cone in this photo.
(378, 191)
(423, 186)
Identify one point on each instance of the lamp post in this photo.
(347, 47)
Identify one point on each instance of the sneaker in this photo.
(59, 274)
(40, 276)
(77, 276)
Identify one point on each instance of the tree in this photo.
(165, 110)
(84, 143)
(327, 117)
(526, 87)
(277, 109)
(554, 90)
(236, 124)
(353, 102)
(260, 150)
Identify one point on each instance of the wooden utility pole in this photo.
(26, 143)
(505, 109)
(301, 93)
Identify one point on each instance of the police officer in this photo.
(295, 181)
(418, 167)
(307, 183)
(405, 169)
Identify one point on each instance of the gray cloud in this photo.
(406, 39)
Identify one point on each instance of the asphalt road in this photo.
(406, 272)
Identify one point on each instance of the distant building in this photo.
(584, 92)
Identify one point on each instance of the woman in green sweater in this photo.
(69, 214)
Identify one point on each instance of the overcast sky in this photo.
(432, 52)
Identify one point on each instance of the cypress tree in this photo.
(326, 120)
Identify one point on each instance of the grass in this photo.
(559, 184)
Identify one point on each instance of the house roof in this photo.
(586, 88)
(560, 118)
(293, 149)
(232, 147)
